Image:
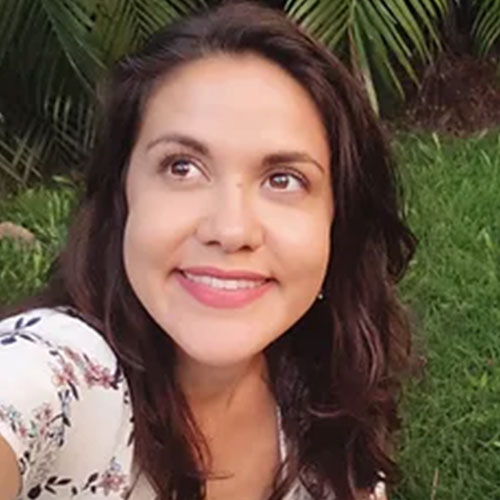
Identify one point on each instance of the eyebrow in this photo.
(183, 140)
(276, 158)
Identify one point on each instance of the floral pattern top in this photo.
(65, 411)
(64, 408)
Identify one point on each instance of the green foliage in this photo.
(22, 269)
(51, 53)
(44, 211)
(452, 436)
(376, 38)
(486, 27)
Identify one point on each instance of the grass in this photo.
(451, 437)
(44, 211)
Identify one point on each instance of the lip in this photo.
(220, 298)
(222, 274)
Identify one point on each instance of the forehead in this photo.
(240, 99)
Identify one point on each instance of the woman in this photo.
(223, 322)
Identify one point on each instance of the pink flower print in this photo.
(112, 479)
(98, 375)
(64, 376)
(47, 412)
(22, 431)
(106, 378)
(73, 355)
(92, 373)
(69, 373)
(58, 378)
(44, 413)
(42, 417)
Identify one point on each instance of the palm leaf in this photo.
(486, 27)
(51, 29)
(378, 38)
(51, 54)
(123, 25)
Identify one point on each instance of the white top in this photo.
(65, 410)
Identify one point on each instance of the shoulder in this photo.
(56, 353)
(54, 327)
(64, 409)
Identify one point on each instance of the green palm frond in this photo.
(123, 25)
(51, 54)
(377, 37)
(486, 27)
(43, 140)
(45, 31)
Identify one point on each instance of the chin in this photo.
(220, 355)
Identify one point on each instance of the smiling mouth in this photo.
(224, 284)
(223, 289)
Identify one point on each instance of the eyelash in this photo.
(301, 178)
(170, 159)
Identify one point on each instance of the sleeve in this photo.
(34, 404)
(51, 382)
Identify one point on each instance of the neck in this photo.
(214, 386)
(229, 403)
(221, 397)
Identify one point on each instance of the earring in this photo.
(321, 296)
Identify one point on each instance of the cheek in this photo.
(302, 250)
(157, 226)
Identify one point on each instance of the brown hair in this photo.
(336, 373)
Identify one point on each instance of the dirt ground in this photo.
(459, 95)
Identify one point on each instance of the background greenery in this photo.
(451, 438)
(53, 51)
(43, 210)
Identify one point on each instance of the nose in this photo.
(231, 221)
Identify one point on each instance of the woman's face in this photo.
(226, 242)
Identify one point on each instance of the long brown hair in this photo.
(336, 373)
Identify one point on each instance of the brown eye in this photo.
(284, 181)
(181, 169)
(279, 181)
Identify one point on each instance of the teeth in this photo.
(218, 283)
